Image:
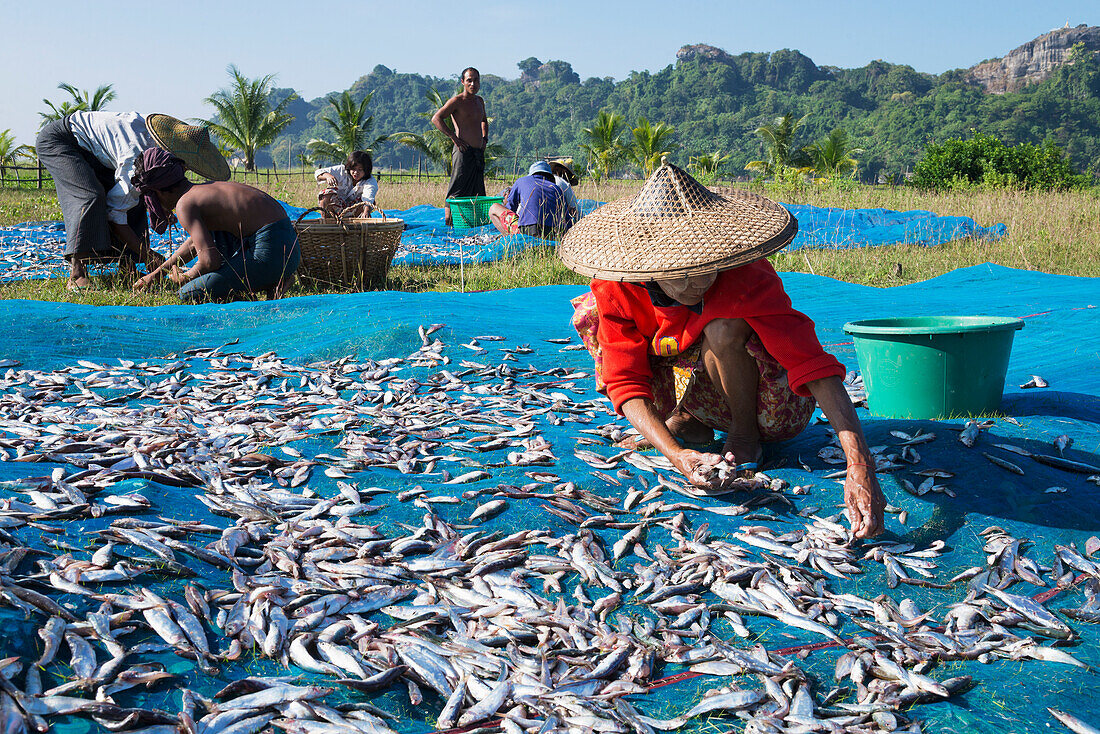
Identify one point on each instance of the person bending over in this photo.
(350, 189)
(240, 239)
(534, 206)
(90, 156)
(691, 330)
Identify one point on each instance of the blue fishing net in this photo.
(1058, 342)
(34, 249)
(826, 228)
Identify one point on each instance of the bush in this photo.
(983, 160)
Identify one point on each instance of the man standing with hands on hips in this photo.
(469, 131)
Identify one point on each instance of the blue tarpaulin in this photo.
(33, 250)
(1058, 343)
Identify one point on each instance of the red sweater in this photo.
(631, 329)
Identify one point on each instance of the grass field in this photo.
(1056, 232)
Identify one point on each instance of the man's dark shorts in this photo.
(467, 172)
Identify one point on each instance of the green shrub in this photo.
(983, 160)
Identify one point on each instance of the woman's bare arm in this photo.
(862, 494)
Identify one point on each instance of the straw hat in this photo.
(189, 142)
(567, 168)
(675, 227)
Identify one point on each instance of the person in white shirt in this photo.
(350, 189)
(90, 156)
(566, 180)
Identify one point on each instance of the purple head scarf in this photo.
(160, 170)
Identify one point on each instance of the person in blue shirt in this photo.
(535, 205)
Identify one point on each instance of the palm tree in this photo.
(650, 143)
(246, 121)
(605, 149)
(82, 101)
(707, 164)
(832, 155)
(778, 137)
(433, 145)
(352, 127)
(10, 153)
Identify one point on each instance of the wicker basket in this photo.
(349, 253)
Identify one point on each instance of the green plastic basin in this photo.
(934, 366)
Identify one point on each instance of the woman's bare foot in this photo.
(689, 429)
(745, 452)
(681, 424)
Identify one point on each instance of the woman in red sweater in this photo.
(691, 331)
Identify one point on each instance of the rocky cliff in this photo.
(1034, 61)
(702, 51)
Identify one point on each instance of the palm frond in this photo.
(245, 118)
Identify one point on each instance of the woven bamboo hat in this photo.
(675, 227)
(189, 142)
(564, 167)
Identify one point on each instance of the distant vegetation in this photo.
(80, 100)
(776, 114)
(890, 111)
(984, 160)
(248, 120)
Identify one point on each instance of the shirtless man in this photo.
(462, 119)
(240, 238)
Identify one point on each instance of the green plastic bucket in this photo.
(468, 212)
(934, 366)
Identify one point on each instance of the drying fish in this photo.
(1008, 465)
(394, 587)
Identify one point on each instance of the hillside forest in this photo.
(890, 111)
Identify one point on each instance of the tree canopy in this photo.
(889, 111)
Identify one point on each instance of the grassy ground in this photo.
(1051, 232)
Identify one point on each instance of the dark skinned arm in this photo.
(184, 253)
(643, 415)
(862, 494)
(484, 126)
(207, 257)
(134, 244)
(439, 120)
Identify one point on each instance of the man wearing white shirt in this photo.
(90, 156)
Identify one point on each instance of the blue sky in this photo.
(167, 57)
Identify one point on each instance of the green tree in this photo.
(779, 139)
(603, 144)
(245, 120)
(433, 144)
(351, 125)
(10, 153)
(832, 155)
(706, 166)
(80, 101)
(650, 143)
(985, 160)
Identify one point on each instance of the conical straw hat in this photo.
(189, 142)
(675, 227)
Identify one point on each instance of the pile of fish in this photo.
(37, 250)
(424, 245)
(405, 524)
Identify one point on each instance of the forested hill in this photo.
(716, 100)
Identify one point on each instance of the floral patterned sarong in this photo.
(682, 381)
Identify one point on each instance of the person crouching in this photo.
(534, 206)
(691, 331)
(240, 239)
